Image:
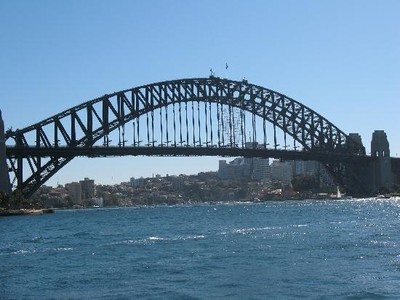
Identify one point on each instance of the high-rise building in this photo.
(246, 168)
(87, 188)
(261, 169)
(238, 169)
(137, 182)
(74, 192)
(282, 171)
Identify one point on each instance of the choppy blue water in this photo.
(293, 249)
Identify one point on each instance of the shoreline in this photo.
(24, 212)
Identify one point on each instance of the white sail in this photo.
(338, 194)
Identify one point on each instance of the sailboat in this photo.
(338, 194)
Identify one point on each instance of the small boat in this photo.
(338, 193)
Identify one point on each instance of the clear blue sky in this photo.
(341, 58)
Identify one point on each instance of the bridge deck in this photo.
(99, 151)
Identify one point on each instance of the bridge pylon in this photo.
(5, 186)
(371, 176)
(382, 167)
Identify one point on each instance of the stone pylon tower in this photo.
(382, 167)
(5, 186)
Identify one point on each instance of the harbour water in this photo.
(278, 250)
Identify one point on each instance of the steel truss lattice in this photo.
(186, 114)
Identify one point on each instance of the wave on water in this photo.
(37, 239)
(252, 229)
(260, 229)
(176, 238)
(299, 225)
(383, 243)
(64, 249)
(156, 239)
(18, 252)
(32, 251)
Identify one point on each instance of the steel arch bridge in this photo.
(198, 116)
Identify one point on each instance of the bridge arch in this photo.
(198, 108)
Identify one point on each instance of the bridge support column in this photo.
(382, 167)
(5, 186)
(358, 177)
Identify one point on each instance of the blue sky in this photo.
(340, 58)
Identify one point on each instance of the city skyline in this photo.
(340, 59)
